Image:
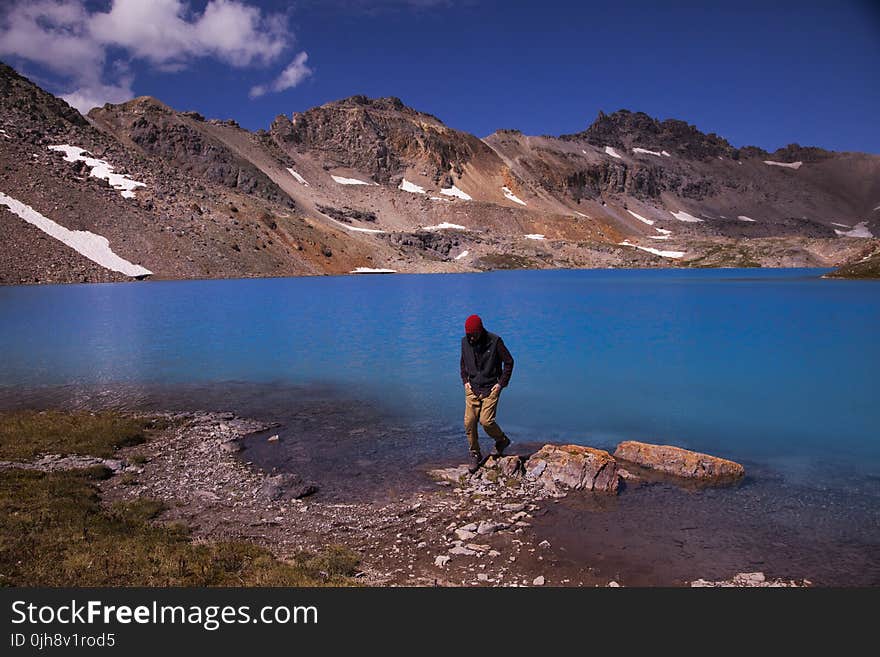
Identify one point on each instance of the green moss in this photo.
(25, 434)
(54, 532)
(128, 479)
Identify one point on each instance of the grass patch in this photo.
(26, 434)
(54, 532)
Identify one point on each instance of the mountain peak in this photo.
(627, 129)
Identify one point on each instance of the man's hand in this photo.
(467, 388)
(496, 389)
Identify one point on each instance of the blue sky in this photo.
(763, 73)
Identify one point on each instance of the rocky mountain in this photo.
(140, 189)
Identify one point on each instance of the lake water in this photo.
(774, 368)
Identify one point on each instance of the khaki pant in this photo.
(482, 411)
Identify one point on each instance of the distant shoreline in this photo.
(155, 279)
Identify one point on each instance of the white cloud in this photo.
(75, 43)
(163, 31)
(296, 72)
(88, 96)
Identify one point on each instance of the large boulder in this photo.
(287, 486)
(679, 462)
(559, 468)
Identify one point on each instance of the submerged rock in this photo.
(561, 467)
(288, 487)
(679, 462)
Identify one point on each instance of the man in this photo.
(486, 366)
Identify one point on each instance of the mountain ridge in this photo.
(364, 183)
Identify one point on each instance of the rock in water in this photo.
(561, 467)
(679, 462)
(287, 487)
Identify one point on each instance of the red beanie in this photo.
(473, 324)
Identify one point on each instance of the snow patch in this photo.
(356, 229)
(834, 223)
(298, 177)
(743, 217)
(664, 234)
(5, 134)
(412, 188)
(440, 198)
(681, 215)
(534, 236)
(877, 208)
(665, 254)
(446, 226)
(787, 165)
(650, 222)
(646, 151)
(455, 191)
(99, 169)
(581, 214)
(371, 270)
(350, 181)
(94, 247)
(511, 196)
(612, 152)
(665, 154)
(860, 230)
(462, 255)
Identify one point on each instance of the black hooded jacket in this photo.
(481, 364)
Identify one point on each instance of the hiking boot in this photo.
(475, 462)
(500, 446)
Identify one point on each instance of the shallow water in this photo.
(774, 368)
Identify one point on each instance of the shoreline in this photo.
(480, 534)
(154, 279)
(229, 477)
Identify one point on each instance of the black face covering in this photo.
(474, 338)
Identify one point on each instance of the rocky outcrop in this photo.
(679, 462)
(559, 468)
(382, 137)
(436, 243)
(347, 214)
(625, 129)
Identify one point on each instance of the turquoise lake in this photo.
(769, 366)
(773, 368)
